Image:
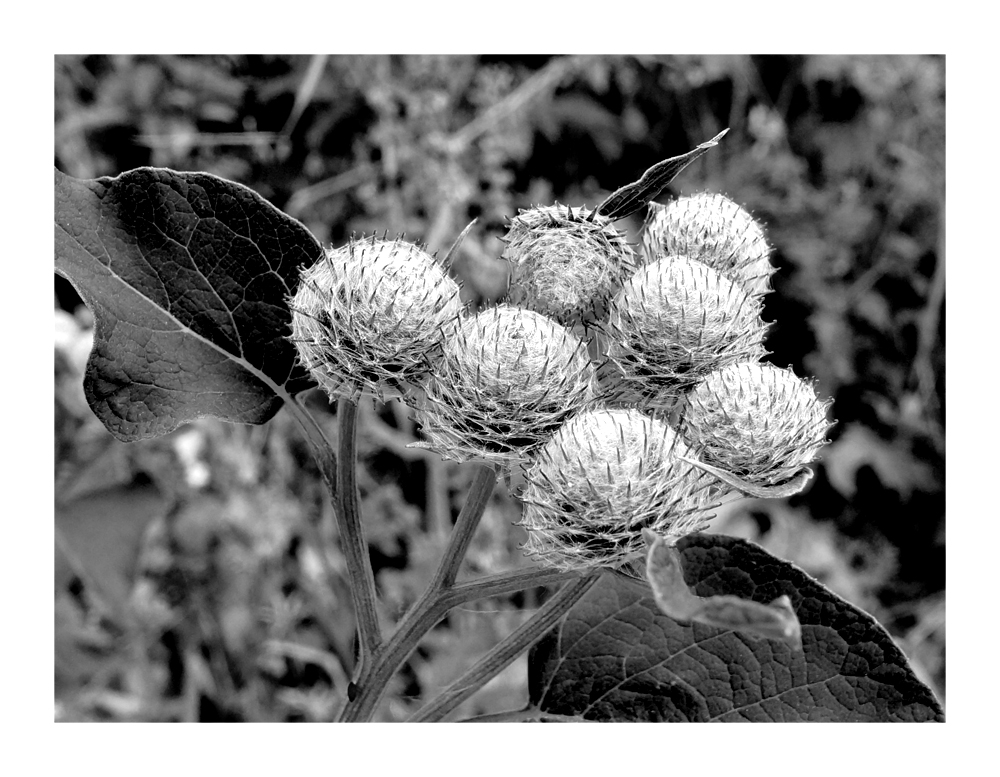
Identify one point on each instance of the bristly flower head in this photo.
(675, 321)
(756, 421)
(368, 317)
(504, 383)
(566, 262)
(600, 480)
(714, 230)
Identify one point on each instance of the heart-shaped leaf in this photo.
(187, 275)
(617, 657)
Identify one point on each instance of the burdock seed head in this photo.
(600, 480)
(504, 383)
(761, 423)
(566, 262)
(370, 315)
(715, 230)
(674, 321)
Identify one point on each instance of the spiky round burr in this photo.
(566, 262)
(714, 230)
(757, 421)
(674, 321)
(368, 317)
(603, 477)
(504, 383)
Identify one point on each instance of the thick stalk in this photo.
(505, 651)
(429, 609)
(352, 535)
(375, 670)
(342, 484)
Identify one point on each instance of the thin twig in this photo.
(206, 139)
(506, 583)
(506, 651)
(306, 197)
(397, 442)
(304, 94)
(927, 338)
(542, 82)
(526, 715)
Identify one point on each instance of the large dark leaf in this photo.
(616, 657)
(187, 275)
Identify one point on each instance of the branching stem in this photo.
(441, 596)
(428, 610)
(379, 661)
(342, 484)
(505, 651)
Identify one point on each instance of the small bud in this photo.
(714, 230)
(675, 321)
(606, 475)
(759, 422)
(566, 262)
(370, 315)
(504, 383)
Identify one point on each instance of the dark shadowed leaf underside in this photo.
(187, 275)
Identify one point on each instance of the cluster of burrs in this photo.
(621, 391)
(685, 410)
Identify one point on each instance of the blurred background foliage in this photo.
(198, 575)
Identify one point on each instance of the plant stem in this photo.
(465, 527)
(425, 614)
(506, 583)
(441, 596)
(506, 651)
(322, 449)
(428, 610)
(352, 535)
(342, 484)
(527, 715)
(379, 661)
